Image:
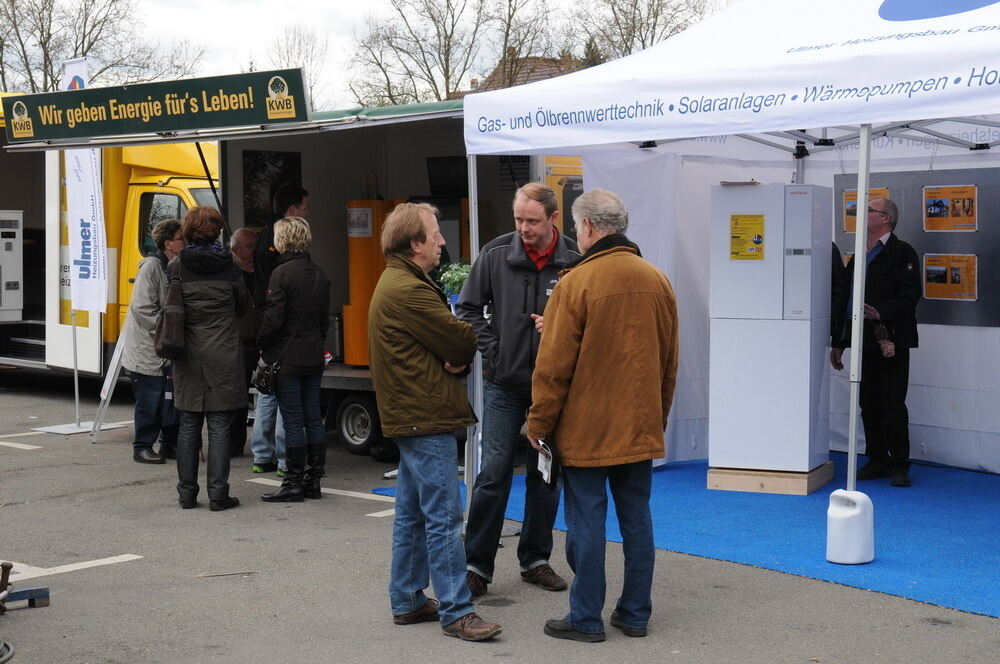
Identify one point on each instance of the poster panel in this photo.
(951, 277)
(851, 205)
(951, 208)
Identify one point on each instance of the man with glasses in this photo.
(892, 291)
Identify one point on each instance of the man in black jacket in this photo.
(514, 275)
(892, 291)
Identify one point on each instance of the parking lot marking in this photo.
(20, 446)
(18, 435)
(383, 513)
(22, 571)
(335, 492)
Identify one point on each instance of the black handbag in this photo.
(168, 335)
(265, 374)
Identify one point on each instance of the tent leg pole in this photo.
(857, 313)
(476, 377)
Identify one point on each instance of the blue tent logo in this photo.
(913, 10)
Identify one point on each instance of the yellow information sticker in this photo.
(746, 237)
(951, 208)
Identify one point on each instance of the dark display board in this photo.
(906, 189)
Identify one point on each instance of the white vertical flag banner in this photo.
(85, 206)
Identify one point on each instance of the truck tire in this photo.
(385, 451)
(358, 424)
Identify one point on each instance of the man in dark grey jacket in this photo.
(514, 275)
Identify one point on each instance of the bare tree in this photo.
(522, 30)
(301, 46)
(37, 36)
(621, 27)
(424, 51)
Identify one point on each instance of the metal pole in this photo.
(476, 382)
(857, 313)
(76, 372)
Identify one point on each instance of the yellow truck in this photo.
(141, 185)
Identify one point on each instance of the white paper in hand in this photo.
(545, 462)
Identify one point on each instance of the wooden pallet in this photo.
(770, 481)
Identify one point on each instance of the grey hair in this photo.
(892, 210)
(232, 238)
(603, 209)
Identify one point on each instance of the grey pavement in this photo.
(307, 582)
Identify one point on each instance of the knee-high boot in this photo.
(291, 487)
(315, 461)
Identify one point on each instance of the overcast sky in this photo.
(234, 31)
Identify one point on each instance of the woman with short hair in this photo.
(208, 374)
(293, 328)
(154, 413)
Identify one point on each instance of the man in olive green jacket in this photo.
(418, 350)
(600, 394)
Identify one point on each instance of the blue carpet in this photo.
(936, 542)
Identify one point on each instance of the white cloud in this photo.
(233, 31)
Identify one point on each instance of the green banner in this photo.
(257, 98)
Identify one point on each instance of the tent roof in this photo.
(762, 66)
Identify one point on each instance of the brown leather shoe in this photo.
(544, 577)
(426, 613)
(471, 627)
(477, 584)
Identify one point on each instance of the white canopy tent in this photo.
(726, 100)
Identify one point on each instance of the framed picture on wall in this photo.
(263, 172)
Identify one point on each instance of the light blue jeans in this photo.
(267, 440)
(427, 532)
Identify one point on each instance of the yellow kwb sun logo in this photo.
(20, 122)
(280, 104)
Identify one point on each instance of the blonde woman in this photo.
(293, 328)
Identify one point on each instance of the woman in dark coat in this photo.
(208, 374)
(293, 327)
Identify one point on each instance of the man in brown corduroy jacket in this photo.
(601, 392)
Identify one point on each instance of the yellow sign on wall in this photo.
(851, 205)
(951, 208)
(746, 237)
(951, 277)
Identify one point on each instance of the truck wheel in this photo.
(358, 424)
(385, 451)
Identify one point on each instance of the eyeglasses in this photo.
(871, 209)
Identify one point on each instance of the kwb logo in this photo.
(280, 104)
(914, 10)
(20, 121)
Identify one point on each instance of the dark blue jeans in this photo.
(503, 413)
(154, 413)
(427, 530)
(301, 413)
(586, 512)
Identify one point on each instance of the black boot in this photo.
(291, 487)
(315, 460)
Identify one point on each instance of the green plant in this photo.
(453, 277)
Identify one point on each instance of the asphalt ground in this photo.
(307, 582)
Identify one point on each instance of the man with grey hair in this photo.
(600, 395)
(892, 292)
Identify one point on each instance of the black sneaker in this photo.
(146, 455)
(874, 470)
(901, 476)
(561, 629)
(616, 621)
(224, 504)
